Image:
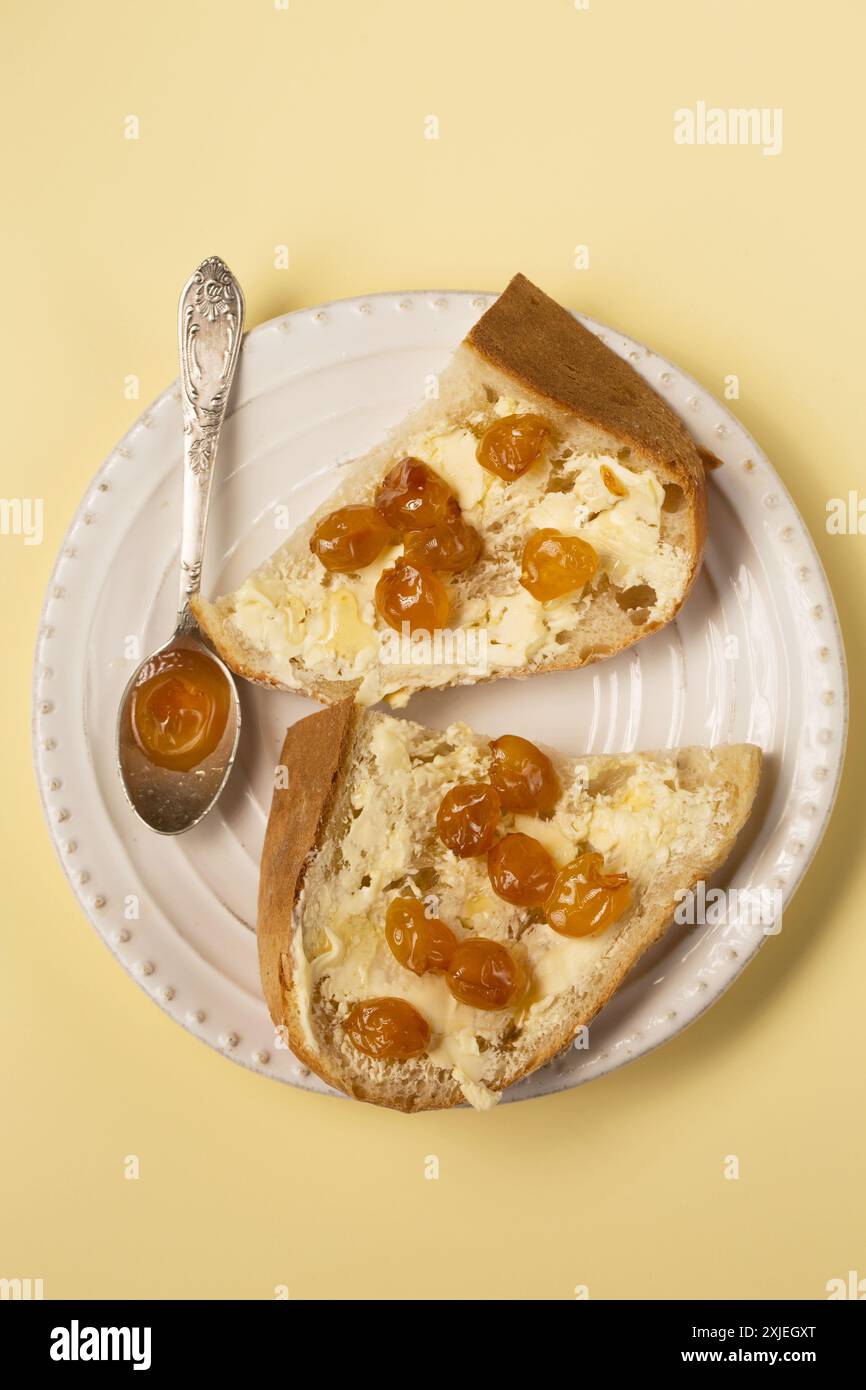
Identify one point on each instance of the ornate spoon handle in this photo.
(210, 328)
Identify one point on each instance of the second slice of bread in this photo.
(354, 826)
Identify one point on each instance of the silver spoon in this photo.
(210, 327)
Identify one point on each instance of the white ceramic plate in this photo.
(755, 655)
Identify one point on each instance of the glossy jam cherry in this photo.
(411, 496)
(524, 776)
(555, 565)
(584, 899)
(520, 870)
(419, 942)
(451, 545)
(350, 538)
(512, 445)
(388, 1028)
(485, 975)
(414, 595)
(467, 818)
(179, 708)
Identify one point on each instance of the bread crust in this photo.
(313, 755)
(527, 335)
(317, 754)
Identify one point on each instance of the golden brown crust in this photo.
(710, 460)
(313, 754)
(532, 338)
(447, 1095)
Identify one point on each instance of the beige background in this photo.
(305, 126)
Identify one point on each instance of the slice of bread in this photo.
(353, 825)
(620, 470)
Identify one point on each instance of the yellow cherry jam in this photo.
(388, 1028)
(554, 565)
(485, 975)
(179, 708)
(419, 942)
(584, 899)
(512, 445)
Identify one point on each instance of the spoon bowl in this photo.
(172, 799)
